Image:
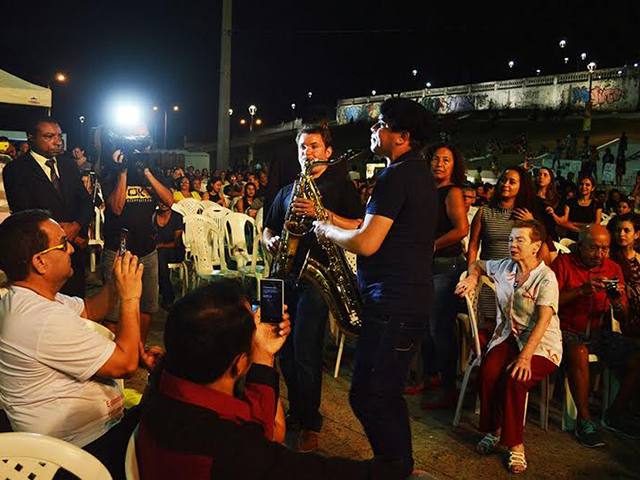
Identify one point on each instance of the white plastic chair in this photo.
(252, 269)
(560, 248)
(207, 248)
(131, 470)
(235, 225)
(610, 388)
(475, 357)
(96, 238)
(566, 242)
(30, 455)
(207, 204)
(188, 206)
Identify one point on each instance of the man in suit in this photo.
(41, 179)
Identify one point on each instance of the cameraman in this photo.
(131, 190)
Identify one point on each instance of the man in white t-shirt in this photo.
(57, 373)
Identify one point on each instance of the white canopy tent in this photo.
(16, 91)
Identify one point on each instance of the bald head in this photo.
(594, 245)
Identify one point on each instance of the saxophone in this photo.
(336, 281)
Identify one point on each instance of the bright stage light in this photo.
(128, 115)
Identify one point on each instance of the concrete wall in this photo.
(612, 90)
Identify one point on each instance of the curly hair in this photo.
(526, 196)
(459, 174)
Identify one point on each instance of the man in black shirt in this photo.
(301, 358)
(129, 193)
(395, 248)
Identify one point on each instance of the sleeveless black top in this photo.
(445, 225)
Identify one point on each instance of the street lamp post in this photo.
(81, 119)
(586, 123)
(59, 78)
(176, 109)
(252, 111)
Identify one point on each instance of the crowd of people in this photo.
(214, 393)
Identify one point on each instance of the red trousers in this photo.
(502, 398)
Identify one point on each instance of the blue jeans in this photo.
(442, 323)
(384, 350)
(301, 355)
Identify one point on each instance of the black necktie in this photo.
(55, 179)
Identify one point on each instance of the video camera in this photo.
(133, 142)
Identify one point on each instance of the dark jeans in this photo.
(384, 350)
(111, 447)
(165, 257)
(442, 320)
(301, 355)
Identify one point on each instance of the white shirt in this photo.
(42, 161)
(48, 359)
(517, 308)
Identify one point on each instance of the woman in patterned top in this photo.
(625, 236)
(527, 343)
(514, 199)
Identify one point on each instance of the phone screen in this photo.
(271, 300)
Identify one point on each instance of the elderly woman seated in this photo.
(526, 345)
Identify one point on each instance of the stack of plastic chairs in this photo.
(207, 248)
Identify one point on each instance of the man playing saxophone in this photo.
(395, 250)
(301, 356)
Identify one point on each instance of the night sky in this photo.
(168, 52)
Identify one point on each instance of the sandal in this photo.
(487, 444)
(517, 463)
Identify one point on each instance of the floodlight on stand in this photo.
(414, 72)
(511, 63)
(583, 56)
(566, 60)
(428, 84)
(563, 43)
(591, 67)
(310, 94)
(81, 118)
(127, 115)
(231, 111)
(293, 106)
(252, 110)
(538, 71)
(373, 92)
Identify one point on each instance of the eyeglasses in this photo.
(380, 124)
(62, 246)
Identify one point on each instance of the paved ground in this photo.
(447, 452)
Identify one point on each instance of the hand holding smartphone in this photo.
(271, 300)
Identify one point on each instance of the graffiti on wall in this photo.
(358, 113)
(599, 95)
(455, 103)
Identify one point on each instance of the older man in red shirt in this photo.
(588, 291)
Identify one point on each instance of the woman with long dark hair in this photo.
(550, 202)
(514, 200)
(249, 204)
(583, 209)
(449, 171)
(624, 251)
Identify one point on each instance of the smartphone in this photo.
(124, 235)
(271, 300)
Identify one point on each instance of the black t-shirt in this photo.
(396, 280)
(167, 233)
(136, 216)
(338, 195)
